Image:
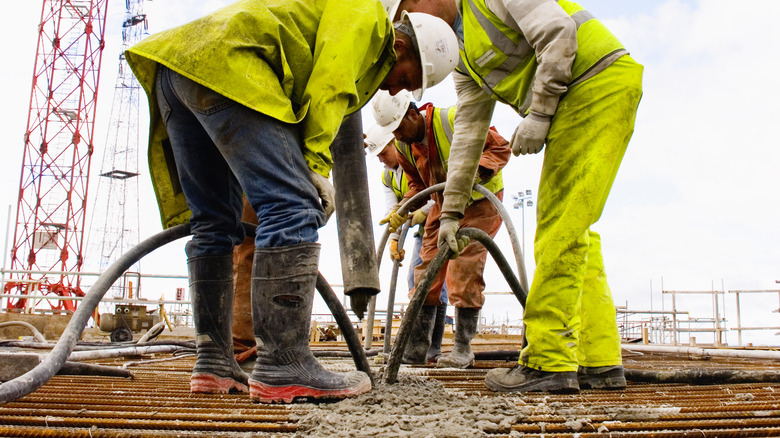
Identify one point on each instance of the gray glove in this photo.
(530, 134)
(448, 229)
(327, 193)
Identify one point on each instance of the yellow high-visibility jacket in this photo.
(310, 62)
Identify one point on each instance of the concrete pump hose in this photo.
(516, 248)
(416, 303)
(38, 376)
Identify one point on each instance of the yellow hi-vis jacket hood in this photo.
(310, 62)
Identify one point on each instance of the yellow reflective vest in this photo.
(503, 63)
(395, 179)
(310, 62)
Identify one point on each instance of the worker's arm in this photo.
(553, 36)
(495, 155)
(351, 43)
(472, 120)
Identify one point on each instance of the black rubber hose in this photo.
(416, 303)
(413, 311)
(35, 378)
(703, 376)
(342, 319)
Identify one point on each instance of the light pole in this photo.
(523, 199)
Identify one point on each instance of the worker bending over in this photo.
(248, 100)
(424, 137)
(578, 90)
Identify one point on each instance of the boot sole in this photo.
(262, 393)
(211, 384)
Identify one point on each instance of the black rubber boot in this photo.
(420, 339)
(609, 377)
(434, 351)
(283, 281)
(524, 379)
(211, 290)
(466, 320)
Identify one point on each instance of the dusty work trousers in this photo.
(463, 275)
(569, 315)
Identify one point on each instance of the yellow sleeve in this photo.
(352, 37)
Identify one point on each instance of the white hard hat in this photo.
(437, 45)
(390, 110)
(391, 6)
(376, 140)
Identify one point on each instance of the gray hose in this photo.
(416, 303)
(38, 336)
(516, 248)
(391, 291)
(35, 378)
(38, 376)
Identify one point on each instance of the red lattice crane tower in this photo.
(58, 147)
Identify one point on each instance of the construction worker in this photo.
(395, 184)
(578, 90)
(424, 137)
(248, 99)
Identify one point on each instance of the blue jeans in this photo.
(222, 149)
(417, 261)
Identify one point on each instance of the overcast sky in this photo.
(694, 206)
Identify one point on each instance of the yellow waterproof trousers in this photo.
(569, 315)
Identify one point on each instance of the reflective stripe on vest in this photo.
(443, 122)
(502, 61)
(396, 180)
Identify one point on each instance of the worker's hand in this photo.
(393, 219)
(394, 253)
(418, 217)
(327, 193)
(448, 229)
(530, 134)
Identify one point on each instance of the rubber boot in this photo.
(524, 379)
(465, 328)
(283, 281)
(434, 351)
(608, 377)
(211, 290)
(420, 339)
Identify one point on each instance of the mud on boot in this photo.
(416, 351)
(211, 288)
(466, 320)
(524, 379)
(283, 281)
(607, 377)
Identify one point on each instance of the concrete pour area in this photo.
(426, 402)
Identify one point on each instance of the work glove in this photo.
(394, 253)
(327, 193)
(418, 217)
(393, 219)
(530, 134)
(448, 229)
